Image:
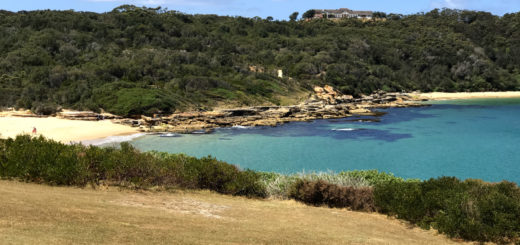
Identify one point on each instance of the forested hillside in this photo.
(134, 60)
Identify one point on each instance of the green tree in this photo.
(309, 14)
(293, 16)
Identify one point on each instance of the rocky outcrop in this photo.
(325, 103)
(85, 115)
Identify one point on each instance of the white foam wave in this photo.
(344, 129)
(241, 127)
(112, 139)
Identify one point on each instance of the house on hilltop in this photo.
(341, 13)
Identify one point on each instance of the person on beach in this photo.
(34, 130)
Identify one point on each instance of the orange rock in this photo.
(318, 90)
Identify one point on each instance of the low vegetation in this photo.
(321, 192)
(47, 161)
(279, 185)
(470, 209)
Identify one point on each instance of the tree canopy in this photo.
(136, 60)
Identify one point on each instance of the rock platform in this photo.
(325, 103)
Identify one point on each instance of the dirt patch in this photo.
(181, 205)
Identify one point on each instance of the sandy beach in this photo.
(471, 95)
(62, 130)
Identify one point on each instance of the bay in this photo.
(467, 139)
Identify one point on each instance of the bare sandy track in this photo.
(39, 214)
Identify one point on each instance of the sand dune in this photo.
(61, 129)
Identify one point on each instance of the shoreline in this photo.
(465, 95)
(113, 131)
(112, 139)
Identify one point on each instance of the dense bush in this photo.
(469, 209)
(147, 60)
(47, 161)
(44, 108)
(321, 192)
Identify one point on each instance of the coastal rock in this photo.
(318, 90)
(345, 98)
(360, 111)
(326, 102)
(277, 112)
(242, 112)
(330, 90)
(331, 96)
(79, 115)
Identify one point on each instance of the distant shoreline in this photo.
(106, 131)
(465, 95)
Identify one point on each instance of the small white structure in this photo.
(280, 73)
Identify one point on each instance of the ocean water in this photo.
(466, 139)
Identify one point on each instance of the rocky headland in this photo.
(324, 103)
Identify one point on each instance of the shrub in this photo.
(470, 209)
(247, 184)
(278, 185)
(46, 108)
(48, 161)
(321, 192)
(225, 178)
(374, 177)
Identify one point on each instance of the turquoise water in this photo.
(466, 139)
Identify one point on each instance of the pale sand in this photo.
(62, 130)
(461, 95)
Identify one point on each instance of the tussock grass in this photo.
(278, 185)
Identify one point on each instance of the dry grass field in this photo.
(40, 214)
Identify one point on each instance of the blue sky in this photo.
(279, 9)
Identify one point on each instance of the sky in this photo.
(279, 9)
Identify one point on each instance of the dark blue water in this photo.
(466, 139)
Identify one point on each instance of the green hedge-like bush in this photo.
(471, 209)
(374, 177)
(47, 161)
(321, 192)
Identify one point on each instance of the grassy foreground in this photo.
(41, 214)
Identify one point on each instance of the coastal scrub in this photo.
(46, 161)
